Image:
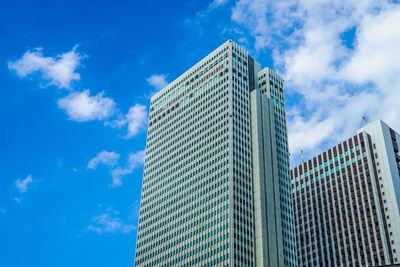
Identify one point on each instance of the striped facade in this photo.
(346, 202)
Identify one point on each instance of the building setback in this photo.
(216, 181)
(347, 200)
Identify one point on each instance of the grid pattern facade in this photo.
(271, 84)
(276, 175)
(185, 203)
(339, 211)
(197, 192)
(242, 212)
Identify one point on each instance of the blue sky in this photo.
(75, 83)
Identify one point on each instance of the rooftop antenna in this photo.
(302, 159)
(364, 120)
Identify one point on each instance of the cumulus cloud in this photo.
(80, 106)
(159, 81)
(135, 120)
(104, 157)
(59, 70)
(339, 60)
(109, 222)
(22, 185)
(376, 58)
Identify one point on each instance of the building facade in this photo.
(216, 185)
(347, 199)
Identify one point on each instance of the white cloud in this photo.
(110, 159)
(377, 57)
(108, 222)
(253, 15)
(135, 120)
(330, 84)
(22, 185)
(80, 106)
(59, 71)
(103, 157)
(135, 160)
(159, 81)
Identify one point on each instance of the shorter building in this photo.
(347, 201)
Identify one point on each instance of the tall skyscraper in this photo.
(216, 181)
(347, 201)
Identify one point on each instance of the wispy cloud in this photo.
(109, 222)
(134, 161)
(23, 185)
(331, 81)
(217, 3)
(158, 81)
(58, 71)
(80, 106)
(104, 157)
(203, 16)
(252, 14)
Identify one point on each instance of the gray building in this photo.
(216, 181)
(347, 201)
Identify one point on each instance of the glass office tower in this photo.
(216, 181)
(347, 201)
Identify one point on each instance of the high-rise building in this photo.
(216, 181)
(347, 201)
